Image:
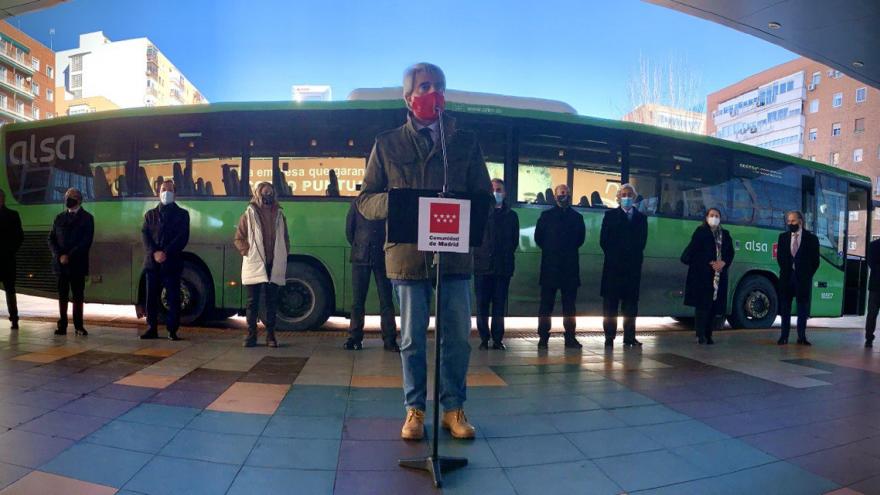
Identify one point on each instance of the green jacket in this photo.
(401, 159)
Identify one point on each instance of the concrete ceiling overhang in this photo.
(842, 34)
(9, 8)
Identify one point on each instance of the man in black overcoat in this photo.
(798, 257)
(623, 238)
(70, 240)
(10, 225)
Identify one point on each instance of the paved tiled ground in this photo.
(112, 414)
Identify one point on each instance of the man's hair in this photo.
(628, 186)
(500, 181)
(73, 192)
(556, 188)
(167, 181)
(409, 76)
(799, 214)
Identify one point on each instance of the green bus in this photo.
(315, 153)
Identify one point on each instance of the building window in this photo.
(812, 158)
(19, 107)
(861, 94)
(814, 105)
(49, 71)
(50, 115)
(50, 95)
(835, 158)
(835, 129)
(4, 101)
(837, 100)
(3, 74)
(813, 134)
(76, 63)
(76, 81)
(35, 111)
(817, 78)
(35, 64)
(859, 126)
(857, 155)
(19, 81)
(35, 88)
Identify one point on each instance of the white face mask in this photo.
(166, 197)
(713, 221)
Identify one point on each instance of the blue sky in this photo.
(582, 52)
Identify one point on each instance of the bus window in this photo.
(108, 180)
(831, 219)
(493, 142)
(677, 179)
(764, 190)
(309, 176)
(596, 177)
(192, 176)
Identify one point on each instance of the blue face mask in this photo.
(626, 202)
(499, 197)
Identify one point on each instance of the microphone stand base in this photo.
(434, 465)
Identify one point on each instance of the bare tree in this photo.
(670, 82)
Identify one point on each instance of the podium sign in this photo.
(444, 225)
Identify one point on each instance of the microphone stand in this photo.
(435, 463)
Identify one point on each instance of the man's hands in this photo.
(64, 259)
(160, 256)
(717, 265)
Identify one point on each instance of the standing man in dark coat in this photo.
(367, 240)
(10, 225)
(798, 258)
(560, 232)
(493, 266)
(165, 235)
(70, 240)
(623, 239)
(873, 291)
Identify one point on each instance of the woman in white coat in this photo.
(262, 240)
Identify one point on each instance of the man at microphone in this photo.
(410, 156)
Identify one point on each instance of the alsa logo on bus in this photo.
(50, 149)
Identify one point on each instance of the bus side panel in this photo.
(110, 280)
(232, 294)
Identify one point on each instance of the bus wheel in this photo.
(195, 296)
(754, 304)
(304, 303)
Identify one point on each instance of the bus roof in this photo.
(397, 103)
(470, 98)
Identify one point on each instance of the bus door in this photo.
(830, 227)
(858, 236)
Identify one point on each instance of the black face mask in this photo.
(268, 200)
(563, 200)
(71, 202)
(793, 227)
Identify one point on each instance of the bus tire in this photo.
(195, 296)
(755, 303)
(305, 302)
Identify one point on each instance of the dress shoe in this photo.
(701, 340)
(484, 345)
(249, 343)
(14, 325)
(572, 343)
(782, 341)
(456, 422)
(82, 332)
(414, 426)
(709, 341)
(542, 342)
(352, 345)
(804, 342)
(391, 346)
(633, 343)
(869, 343)
(174, 337)
(150, 335)
(498, 346)
(272, 343)
(61, 331)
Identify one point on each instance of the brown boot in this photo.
(414, 427)
(456, 422)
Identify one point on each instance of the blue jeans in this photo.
(415, 298)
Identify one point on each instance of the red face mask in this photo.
(425, 107)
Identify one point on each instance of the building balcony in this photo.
(17, 90)
(18, 65)
(9, 113)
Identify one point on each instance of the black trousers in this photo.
(706, 321)
(253, 307)
(71, 287)
(545, 309)
(491, 293)
(803, 311)
(873, 309)
(629, 307)
(168, 279)
(360, 284)
(8, 279)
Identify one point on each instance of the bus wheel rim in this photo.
(185, 297)
(757, 305)
(296, 300)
